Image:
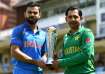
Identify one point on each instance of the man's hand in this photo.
(41, 64)
(55, 65)
(55, 55)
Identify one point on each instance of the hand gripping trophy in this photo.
(51, 43)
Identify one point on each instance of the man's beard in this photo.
(32, 21)
(74, 25)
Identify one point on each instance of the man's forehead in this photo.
(73, 11)
(33, 8)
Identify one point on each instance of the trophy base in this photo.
(49, 61)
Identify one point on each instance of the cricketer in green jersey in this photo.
(78, 46)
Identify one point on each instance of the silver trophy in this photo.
(51, 43)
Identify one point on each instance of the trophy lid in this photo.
(51, 29)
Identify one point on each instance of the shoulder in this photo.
(18, 28)
(87, 30)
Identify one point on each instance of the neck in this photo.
(33, 27)
(74, 30)
(32, 24)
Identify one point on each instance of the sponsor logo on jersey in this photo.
(31, 44)
(71, 50)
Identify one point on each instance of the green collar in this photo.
(79, 30)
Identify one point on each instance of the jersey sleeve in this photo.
(16, 38)
(87, 51)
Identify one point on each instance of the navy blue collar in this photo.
(27, 27)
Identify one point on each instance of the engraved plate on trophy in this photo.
(51, 43)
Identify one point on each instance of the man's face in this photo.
(73, 18)
(32, 14)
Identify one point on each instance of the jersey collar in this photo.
(27, 27)
(79, 30)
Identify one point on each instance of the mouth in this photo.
(73, 22)
(31, 18)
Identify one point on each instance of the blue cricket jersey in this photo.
(32, 44)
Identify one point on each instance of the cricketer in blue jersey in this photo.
(29, 44)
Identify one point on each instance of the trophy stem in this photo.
(51, 43)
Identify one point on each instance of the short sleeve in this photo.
(16, 38)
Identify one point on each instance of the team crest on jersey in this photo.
(77, 37)
(87, 40)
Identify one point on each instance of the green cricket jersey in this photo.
(78, 49)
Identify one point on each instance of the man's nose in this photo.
(32, 14)
(73, 19)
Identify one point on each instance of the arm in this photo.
(18, 54)
(87, 51)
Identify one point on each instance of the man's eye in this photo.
(35, 12)
(69, 16)
(30, 12)
(75, 17)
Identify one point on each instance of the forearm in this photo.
(18, 54)
(73, 60)
(76, 58)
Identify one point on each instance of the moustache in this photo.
(73, 22)
(31, 17)
(32, 20)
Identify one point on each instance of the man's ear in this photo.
(40, 14)
(66, 18)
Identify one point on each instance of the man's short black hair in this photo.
(32, 4)
(71, 8)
